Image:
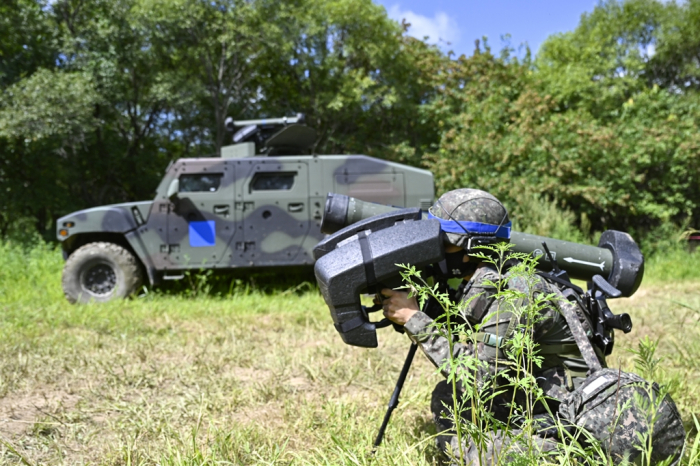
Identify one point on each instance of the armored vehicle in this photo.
(259, 204)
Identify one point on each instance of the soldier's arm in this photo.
(402, 310)
(436, 346)
(479, 304)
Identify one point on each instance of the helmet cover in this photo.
(465, 212)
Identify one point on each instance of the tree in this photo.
(583, 125)
(27, 42)
(75, 132)
(676, 63)
(214, 46)
(600, 64)
(355, 74)
(122, 87)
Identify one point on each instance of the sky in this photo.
(460, 22)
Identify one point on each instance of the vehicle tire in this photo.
(101, 272)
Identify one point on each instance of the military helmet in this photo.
(467, 213)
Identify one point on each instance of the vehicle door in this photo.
(201, 222)
(275, 213)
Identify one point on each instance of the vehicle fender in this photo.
(139, 247)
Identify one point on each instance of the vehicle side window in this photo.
(200, 182)
(272, 181)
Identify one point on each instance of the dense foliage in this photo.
(596, 121)
(98, 95)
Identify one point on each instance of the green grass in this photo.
(674, 265)
(251, 376)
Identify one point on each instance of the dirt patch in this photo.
(298, 382)
(20, 412)
(270, 414)
(248, 374)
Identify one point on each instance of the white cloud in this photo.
(439, 27)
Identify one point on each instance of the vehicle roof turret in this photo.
(270, 136)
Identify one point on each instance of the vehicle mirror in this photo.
(173, 189)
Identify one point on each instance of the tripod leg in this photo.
(394, 401)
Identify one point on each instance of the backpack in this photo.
(620, 410)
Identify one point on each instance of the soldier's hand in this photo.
(398, 307)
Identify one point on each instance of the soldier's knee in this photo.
(440, 401)
(442, 395)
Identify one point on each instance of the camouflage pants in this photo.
(496, 446)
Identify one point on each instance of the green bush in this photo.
(537, 215)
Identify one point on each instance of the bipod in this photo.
(394, 401)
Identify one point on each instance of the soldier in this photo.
(464, 214)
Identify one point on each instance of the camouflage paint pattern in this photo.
(235, 224)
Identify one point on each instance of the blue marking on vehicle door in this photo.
(202, 234)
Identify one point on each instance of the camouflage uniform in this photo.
(563, 368)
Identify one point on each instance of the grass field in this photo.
(253, 376)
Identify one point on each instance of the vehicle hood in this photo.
(115, 218)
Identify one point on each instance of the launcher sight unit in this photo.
(368, 240)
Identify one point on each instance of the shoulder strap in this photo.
(568, 310)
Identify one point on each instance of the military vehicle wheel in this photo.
(100, 272)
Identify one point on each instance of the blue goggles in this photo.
(477, 228)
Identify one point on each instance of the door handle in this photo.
(296, 207)
(221, 209)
